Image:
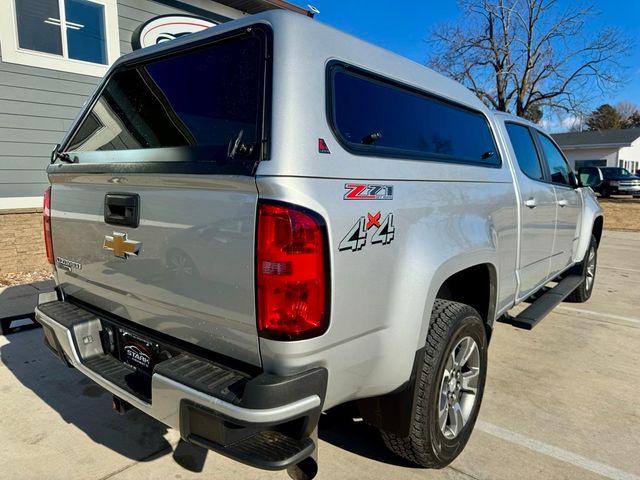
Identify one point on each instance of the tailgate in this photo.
(153, 201)
(185, 271)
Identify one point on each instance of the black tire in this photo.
(427, 445)
(584, 291)
(605, 193)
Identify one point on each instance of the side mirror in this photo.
(574, 180)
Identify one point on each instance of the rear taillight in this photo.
(46, 220)
(291, 273)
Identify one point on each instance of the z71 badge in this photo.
(383, 232)
(362, 191)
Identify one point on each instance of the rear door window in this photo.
(198, 100)
(525, 150)
(558, 166)
(376, 116)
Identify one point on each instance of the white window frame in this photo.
(12, 53)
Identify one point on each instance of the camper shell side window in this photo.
(376, 116)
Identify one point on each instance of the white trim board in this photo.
(10, 203)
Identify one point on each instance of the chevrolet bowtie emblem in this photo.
(120, 246)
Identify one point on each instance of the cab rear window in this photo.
(200, 99)
(376, 116)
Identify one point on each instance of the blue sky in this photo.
(403, 25)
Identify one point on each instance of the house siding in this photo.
(38, 105)
(608, 154)
(629, 157)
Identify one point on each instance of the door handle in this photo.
(122, 209)
(531, 203)
(562, 203)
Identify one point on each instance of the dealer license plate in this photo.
(138, 352)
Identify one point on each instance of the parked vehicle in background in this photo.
(608, 181)
(270, 218)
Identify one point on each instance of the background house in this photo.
(52, 54)
(602, 148)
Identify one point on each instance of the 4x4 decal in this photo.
(383, 232)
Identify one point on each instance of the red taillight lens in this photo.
(46, 220)
(291, 273)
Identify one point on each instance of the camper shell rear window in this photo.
(188, 105)
(372, 115)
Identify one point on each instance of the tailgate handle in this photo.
(122, 209)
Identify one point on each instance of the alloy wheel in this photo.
(459, 387)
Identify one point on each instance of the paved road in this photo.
(561, 402)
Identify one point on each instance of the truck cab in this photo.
(557, 214)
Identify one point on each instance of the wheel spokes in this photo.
(443, 410)
(452, 363)
(465, 350)
(459, 386)
(591, 269)
(456, 420)
(470, 379)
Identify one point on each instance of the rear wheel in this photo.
(450, 387)
(586, 268)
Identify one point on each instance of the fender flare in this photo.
(590, 213)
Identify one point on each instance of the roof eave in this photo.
(596, 145)
(258, 6)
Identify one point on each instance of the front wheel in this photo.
(450, 387)
(586, 268)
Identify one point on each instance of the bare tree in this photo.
(626, 109)
(523, 56)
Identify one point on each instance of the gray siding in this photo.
(37, 106)
(132, 13)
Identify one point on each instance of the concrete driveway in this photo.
(561, 401)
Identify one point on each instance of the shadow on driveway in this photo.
(18, 302)
(342, 428)
(80, 401)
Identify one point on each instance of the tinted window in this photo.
(39, 25)
(85, 31)
(40, 22)
(525, 150)
(201, 98)
(615, 172)
(557, 164)
(375, 117)
(589, 176)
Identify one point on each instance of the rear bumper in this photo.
(210, 404)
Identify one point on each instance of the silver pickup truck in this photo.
(258, 222)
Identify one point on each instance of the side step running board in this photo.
(540, 308)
